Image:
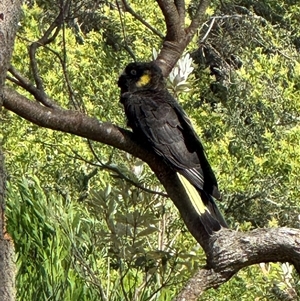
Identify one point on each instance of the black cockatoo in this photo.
(158, 120)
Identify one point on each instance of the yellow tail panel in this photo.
(193, 195)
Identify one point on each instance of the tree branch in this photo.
(227, 251)
(178, 37)
(232, 251)
(44, 40)
(82, 125)
(172, 19)
(117, 172)
(198, 18)
(77, 123)
(25, 83)
(129, 9)
(180, 6)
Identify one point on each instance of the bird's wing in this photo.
(194, 145)
(173, 138)
(170, 134)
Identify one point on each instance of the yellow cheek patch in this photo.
(144, 80)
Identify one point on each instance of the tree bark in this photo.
(9, 17)
(232, 251)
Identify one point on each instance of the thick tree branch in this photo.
(180, 5)
(178, 37)
(174, 26)
(68, 121)
(232, 251)
(227, 251)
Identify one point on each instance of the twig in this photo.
(25, 83)
(92, 277)
(68, 82)
(66, 75)
(234, 203)
(127, 48)
(44, 40)
(140, 19)
(120, 174)
(208, 30)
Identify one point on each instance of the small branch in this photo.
(44, 40)
(129, 9)
(32, 53)
(105, 166)
(236, 202)
(208, 30)
(121, 175)
(66, 74)
(62, 61)
(25, 83)
(127, 48)
(198, 17)
(133, 183)
(83, 268)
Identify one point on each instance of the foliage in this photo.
(85, 250)
(253, 113)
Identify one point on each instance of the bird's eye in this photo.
(133, 72)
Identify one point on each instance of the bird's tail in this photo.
(209, 214)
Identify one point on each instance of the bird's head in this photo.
(141, 76)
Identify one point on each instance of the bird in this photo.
(158, 120)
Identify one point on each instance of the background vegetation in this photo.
(92, 223)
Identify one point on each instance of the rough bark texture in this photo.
(9, 16)
(232, 251)
(178, 36)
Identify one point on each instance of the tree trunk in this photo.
(7, 265)
(9, 17)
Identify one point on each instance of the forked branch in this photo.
(178, 35)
